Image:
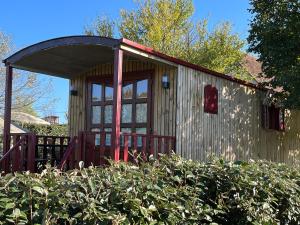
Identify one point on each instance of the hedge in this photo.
(51, 130)
(168, 191)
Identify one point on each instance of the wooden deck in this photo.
(30, 152)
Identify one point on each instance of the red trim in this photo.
(187, 64)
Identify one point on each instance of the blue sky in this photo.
(31, 21)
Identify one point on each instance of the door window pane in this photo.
(139, 139)
(97, 136)
(142, 89)
(96, 92)
(96, 114)
(109, 93)
(126, 113)
(108, 114)
(108, 136)
(127, 91)
(141, 113)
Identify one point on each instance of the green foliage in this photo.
(274, 36)
(167, 26)
(102, 26)
(168, 191)
(52, 130)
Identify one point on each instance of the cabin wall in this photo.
(235, 133)
(164, 102)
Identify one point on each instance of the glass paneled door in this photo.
(136, 107)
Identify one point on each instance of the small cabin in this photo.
(127, 100)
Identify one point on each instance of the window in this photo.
(210, 99)
(273, 118)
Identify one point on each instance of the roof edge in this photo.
(187, 64)
(61, 41)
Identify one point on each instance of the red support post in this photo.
(118, 64)
(7, 114)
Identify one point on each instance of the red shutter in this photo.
(210, 99)
(273, 118)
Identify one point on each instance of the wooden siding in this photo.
(235, 132)
(164, 101)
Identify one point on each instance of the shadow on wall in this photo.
(235, 133)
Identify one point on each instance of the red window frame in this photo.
(210, 99)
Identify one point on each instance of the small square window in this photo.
(210, 99)
(273, 118)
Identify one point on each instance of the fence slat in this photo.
(102, 147)
(16, 155)
(144, 147)
(125, 148)
(158, 146)
(32, 141)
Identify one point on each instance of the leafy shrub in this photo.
(168, 191)
(51, 130)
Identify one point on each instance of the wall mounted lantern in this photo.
(165, 81)
(73, 91)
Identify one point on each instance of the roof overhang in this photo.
(69, 56)
(66, 56)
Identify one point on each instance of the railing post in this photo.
(125, 157)
(32, 141)
(80, 146)
(144, 143)
(151, 145)
(102, 146)
(158, 146)
(16, 161)
(135, 147)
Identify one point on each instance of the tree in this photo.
(275, 37)
(102, 26)
(167, 26)
(27, 89)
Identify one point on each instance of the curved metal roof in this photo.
(64, 56)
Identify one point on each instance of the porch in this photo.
(115, 115)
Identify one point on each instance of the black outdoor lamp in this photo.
(73, 91)
(165, 81)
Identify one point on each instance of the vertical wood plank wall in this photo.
(235, 132)
(164, 101)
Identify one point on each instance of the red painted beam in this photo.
(7, 113)
(118, 65)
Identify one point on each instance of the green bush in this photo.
(168, 191)
(51, 130)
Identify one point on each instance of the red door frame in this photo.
(127, 77)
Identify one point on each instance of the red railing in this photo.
(49, 149)
(21, 155)
(95, 146)
(67, 159)
(31, 152)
